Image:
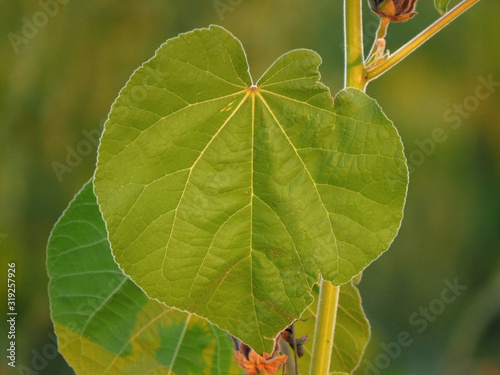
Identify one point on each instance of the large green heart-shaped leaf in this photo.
(228, 199)
(105, 324)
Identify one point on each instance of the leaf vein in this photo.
(190, 174)
(307, 171)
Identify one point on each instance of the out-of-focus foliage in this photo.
(57, 90)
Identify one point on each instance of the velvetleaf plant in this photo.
(224, 209)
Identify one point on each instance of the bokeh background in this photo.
(58, 83)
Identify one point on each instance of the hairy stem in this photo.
(354, 56)
(325, 328)
(329, 295)
(416, 42)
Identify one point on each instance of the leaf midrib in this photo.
(139, 332)
(176, 210)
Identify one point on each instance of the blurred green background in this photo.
(58, 84)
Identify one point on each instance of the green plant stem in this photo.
(329, 294)
(325, 328)
(354, 56)
(357, 76)
(416, 42)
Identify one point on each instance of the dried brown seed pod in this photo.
(395, 10)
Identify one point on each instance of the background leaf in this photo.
(105, 324)
(352, 332)
(441, 5)
(227, 200)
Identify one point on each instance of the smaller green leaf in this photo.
(105, 324)
(441, 5)
(352, 332)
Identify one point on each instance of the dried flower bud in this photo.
(395, 10)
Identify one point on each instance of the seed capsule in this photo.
(395, 10)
